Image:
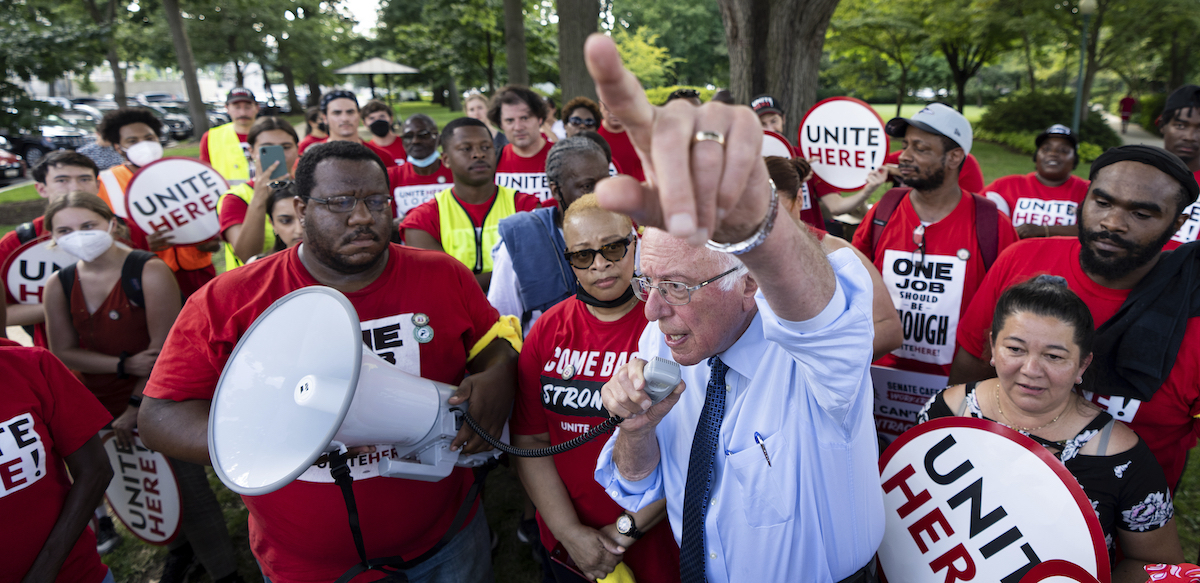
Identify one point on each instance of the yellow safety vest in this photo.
(462, 239)
(246, 193)
(226, 155)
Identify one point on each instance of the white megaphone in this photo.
(290, 393)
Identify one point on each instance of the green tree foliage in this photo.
(690, 31)
(1030, 113)
(878, 43)
(45, 42)
(650, 63)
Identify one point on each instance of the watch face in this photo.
(624, 524)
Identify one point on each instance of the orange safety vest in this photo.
(184, 257)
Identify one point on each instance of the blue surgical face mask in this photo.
(425, 162)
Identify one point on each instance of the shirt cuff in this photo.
(628, 494)
(834, 309)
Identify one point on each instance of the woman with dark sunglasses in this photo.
(579, 115)
(568, 355)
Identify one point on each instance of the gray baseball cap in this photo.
(936, 118)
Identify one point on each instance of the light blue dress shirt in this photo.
(814, 514)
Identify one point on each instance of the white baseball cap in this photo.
(936, 118)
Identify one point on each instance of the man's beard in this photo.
(927, 183)
(1115, 267)
(321, 249)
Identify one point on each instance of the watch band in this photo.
(633, 531)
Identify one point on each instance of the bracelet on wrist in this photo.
(135, 401)
(750, 243)
(121, 374)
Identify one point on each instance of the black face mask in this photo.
(591, 300)
(323, 127)
(380, 127)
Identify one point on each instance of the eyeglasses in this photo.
(422, 135)
(614, 251)
(919, 240)
(281, 184)
(579, 121)
(675, 293)
(344, 204)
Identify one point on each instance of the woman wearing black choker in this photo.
(568, 355)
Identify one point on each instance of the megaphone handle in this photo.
(341, 476)
(596, 431)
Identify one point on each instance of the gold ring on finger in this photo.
(704, 136)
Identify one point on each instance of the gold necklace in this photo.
(1008, 422)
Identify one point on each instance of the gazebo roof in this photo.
(376, 66)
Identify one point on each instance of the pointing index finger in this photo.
(619, 89)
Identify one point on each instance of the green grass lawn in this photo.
(888, 111)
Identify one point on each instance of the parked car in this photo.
(62, 133)
(157, 97)
(106, 106)
(179, 125)
(12, 167)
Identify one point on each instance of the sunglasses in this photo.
(614, 252)
(919, 240)
(579, 121)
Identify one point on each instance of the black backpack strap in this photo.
(987, 219)
(26, 233)
(66, 276)
(131, 276)
(883, 213)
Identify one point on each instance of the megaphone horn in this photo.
(289, 393)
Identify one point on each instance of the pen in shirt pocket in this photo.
(759, 440)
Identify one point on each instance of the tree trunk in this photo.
(289, 79)
(454, 101)
(1029, 63)
(267, 84)
(1177, 66)
(514, 42)
(314, 89)
(491, 63)
(576, 20)
(902, 90)
(187, 64)
(439, 94)
(239, 73)
(790, 76)
(114, 62)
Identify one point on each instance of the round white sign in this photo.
(143, 492)
(844, 141)
(177, 196)
(31, 266)
(970, 500)
(776, 145)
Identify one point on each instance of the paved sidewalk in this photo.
(1135, 134)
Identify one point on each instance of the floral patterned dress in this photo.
(1128, 490)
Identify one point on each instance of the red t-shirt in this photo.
(204, 157)
(8, 244)
(930, 295)
(1167, 422)
(410, 189)
(1126, 105)
(308, 141)
(298, 533)
(810, 197)
(624, 155)
(568, 356)
(524, 174)
(425, 215)
(233, 209)
(970, 178)
(1191, 227)
(47, 415)
(1027, 200)
(398, 156)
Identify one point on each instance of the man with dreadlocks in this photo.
(1180, 127)
(530, 273)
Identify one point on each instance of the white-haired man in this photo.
(766, 453)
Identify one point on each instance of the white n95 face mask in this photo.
(143, 153)
(86, 245)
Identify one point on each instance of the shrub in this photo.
(1027, 113)
(1024, 142)
(658, 95)
(1151, 106)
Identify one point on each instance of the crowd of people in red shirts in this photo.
(480, 257)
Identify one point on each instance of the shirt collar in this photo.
(746, 353)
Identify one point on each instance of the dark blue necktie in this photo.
(700, 475)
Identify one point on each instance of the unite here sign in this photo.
(176, 196)
(844, 141)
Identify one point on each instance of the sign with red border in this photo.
(31, 266)
(967, 499)
(143, 493)
(843, 139)
(177, 196)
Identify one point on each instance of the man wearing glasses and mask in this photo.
(425, 174)
(440, 330)
(933, 243)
